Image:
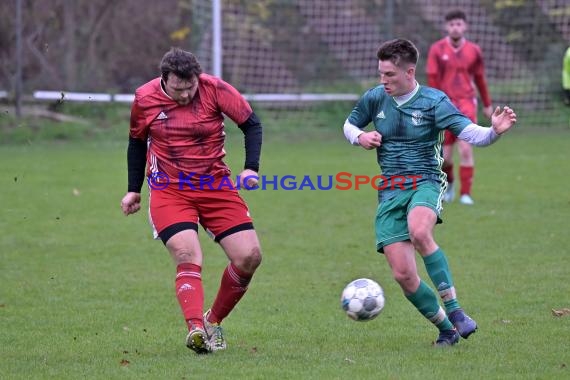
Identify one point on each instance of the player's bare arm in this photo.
(503, 120)
(370, 140)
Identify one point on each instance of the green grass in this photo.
(86, 293)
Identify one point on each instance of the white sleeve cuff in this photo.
(479, 136)
(351, 132)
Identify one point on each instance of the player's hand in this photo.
(488, 112)
(248, 179)
(370, 140)
(503, 120)
(131, 203)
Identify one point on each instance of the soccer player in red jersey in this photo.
(453, 65)
(177, 134)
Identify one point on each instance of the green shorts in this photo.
(392, 215)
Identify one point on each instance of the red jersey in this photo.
(453, 70)
(187, 140)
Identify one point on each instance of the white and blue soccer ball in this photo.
(362, 299)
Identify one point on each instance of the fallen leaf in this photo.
(125, 362)
(561, 312)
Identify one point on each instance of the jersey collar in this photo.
(162, 87)
(401, 100)
(456, 48)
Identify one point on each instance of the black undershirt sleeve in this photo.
(136, 164)
(253, 134)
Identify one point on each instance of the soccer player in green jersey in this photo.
(409, 121)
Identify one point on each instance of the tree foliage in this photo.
(90, 45)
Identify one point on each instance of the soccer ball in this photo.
(362, 299)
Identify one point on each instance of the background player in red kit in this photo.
(177, 129)
(453, 65)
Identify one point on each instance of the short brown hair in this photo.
(399, 52)
(181, 63)
(455, 14)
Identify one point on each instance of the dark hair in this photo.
(455, 14)
(181, 63)
(399, 52)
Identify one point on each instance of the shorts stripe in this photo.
(425, 204)
(172, 230)
(390, 240)
(233, 230)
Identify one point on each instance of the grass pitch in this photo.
(86, 293)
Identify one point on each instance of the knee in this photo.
(251, 260)
(465, 151)
(466, 157)
(405, 278)
(182, 255)
(420, 238)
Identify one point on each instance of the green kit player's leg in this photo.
(425, 300)
(438, 270)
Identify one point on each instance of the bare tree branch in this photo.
(94, 32)
(44, 63)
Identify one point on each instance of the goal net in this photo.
(304, 59)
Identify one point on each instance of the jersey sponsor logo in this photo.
(380, 115)
(445, 57)
(417, 117)
(161, 116)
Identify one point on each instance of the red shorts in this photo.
(468, 107)
(221, 211)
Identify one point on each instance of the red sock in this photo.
(190, 293)
(232, 288)
(466, 175)
(448, 170)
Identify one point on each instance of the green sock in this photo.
(438, 270)
(425, 300)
